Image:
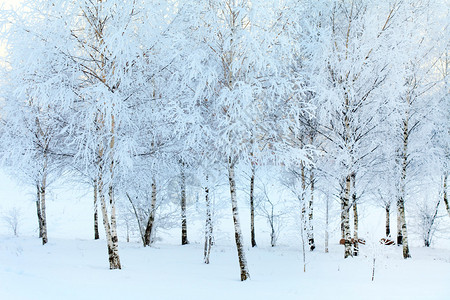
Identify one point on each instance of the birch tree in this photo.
(238, 55)
(349, 76)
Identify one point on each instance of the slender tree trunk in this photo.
(112, 241)
(151, 217)
(42, 193)
(355, 233)
(96, 233)
(388, 221)
(112, 202)
(208, 226)
(114, 236)
(311, 242)
(345, 203)
(237, 227)
(38, 209)
(252, 206)
(401, 219)
(184, 236)
(138, 219)
(401, 209)
(302, 233)
(445, 197)
(428, 236)
(355, 218)
(399, 225)
(303, 200)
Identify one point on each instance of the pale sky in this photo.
(7, 3)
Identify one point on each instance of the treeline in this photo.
(121, 95)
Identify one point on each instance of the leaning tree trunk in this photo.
(428, 234)
(151, 217)
(96, 233)
(252, 206)
(184, 236)
(237, 227)
(42, 196)
(388, 222)
(208, 226)
(355, 218)
(38, 209)
(402, 236)
(311, 242)
(345, 204)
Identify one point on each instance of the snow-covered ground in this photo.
(73, 266)
(78, 269)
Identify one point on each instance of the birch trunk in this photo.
(184, 237)
(42, 194)
(345, 204)
(303, 200)
(388, 220)
(355, 228)
(208, 226)
(151, 217)
(355, 218)
(445, 197)
(237, 227)
(401, 218)
(428, 235)
(38, 209)
(401, 209)
(96, 21)
(138, 219)
(252, 206)
(112, 202)
(96, 233)
(311, 242)
(112, 242)
(273, 238)
(399, 225)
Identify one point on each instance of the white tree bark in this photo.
(110, 233)
(311, 242)
(151, 217)
(237, 226)
(38, 209)
(184, 236)
(355, 218)
(208, 225)
(252, 206)
(401, 217)
(42, 193)
(345, 203)
(96, 233)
